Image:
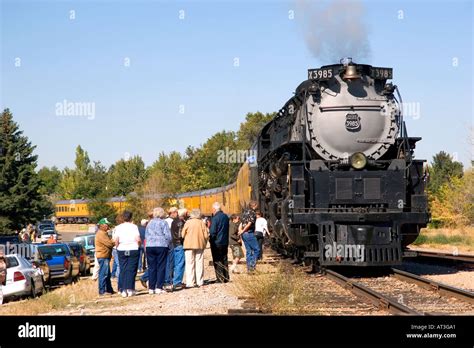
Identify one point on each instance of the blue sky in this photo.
(176, 63)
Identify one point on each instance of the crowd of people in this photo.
(169, 248)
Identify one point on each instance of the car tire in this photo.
(50, 282)
(69, 280)
(33, 290)
(43, 287)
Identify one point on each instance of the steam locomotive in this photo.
(335, 171)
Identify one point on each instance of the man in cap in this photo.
(103, 249)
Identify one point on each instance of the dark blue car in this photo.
(63, 265)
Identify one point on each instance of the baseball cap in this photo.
(103, 221)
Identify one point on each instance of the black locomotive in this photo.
(335, 171)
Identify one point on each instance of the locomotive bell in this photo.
(351, 73)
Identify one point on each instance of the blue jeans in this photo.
(178, 265)
(169, 267)
(156, 260)
(105, 284)
(145, 275)
(116, 265)
(128, 269)
(251, 249)
(140, 258)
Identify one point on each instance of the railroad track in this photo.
(441, 256)
(375, 291)
(376, 298)
(442, 289)
(398, 292)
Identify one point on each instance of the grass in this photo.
(462, 238)
(279, 290)
(58, 299)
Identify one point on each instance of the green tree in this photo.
(50, 179)
(99, 208)
(171, 170)
(125, 175)
(86, 180)
(67, 185)
(96, 181)
(137, 205)
(454, 203)
(215, 163)
(441, 171)
(81, 174)
(21, 200)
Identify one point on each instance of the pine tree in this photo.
(21, 201)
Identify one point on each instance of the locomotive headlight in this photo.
(358, 160)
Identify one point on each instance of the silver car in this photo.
(22, 278)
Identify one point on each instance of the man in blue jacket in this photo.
(219, 239)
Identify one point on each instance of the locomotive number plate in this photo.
(381, 73)
(320, 74)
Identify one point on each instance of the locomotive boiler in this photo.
(335, 172)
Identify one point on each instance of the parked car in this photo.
(81, 253)
(63, 265)
(22, 278)
(46, 234)
(88, 242)
(38, 261)
(45, 225)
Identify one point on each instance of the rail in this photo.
(374, 297)
(442, 256)
(441, 288)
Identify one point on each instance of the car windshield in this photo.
(53, 250)
(91, 240)
(48, 232)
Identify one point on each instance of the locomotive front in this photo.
(350, 190)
